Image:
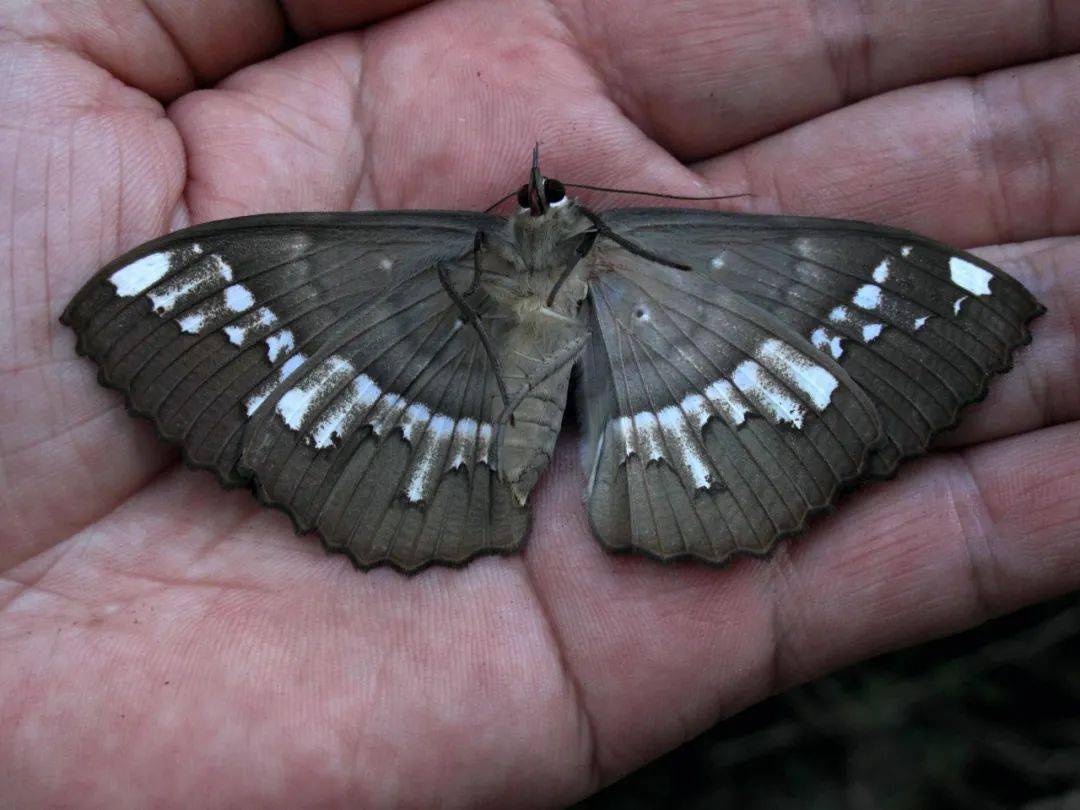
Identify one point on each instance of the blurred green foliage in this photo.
(989, 718)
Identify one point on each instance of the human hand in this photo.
(164, 641)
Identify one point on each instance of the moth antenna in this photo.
(656, 193)
(537, 201)
(499, 202)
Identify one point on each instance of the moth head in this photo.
(540, 195)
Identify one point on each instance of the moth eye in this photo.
(554, 191)
(523, 196)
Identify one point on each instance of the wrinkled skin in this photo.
(162, 640)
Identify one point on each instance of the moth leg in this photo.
(603, 230)
(560, 361)
(479, 243)
(554, 366)
(580, 253)
(469, 316)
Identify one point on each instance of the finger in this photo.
(161, 48)
(312, 18)
(281, 136)
(979, 162)
(1011, 130)
(424, 113)
(660, 652)
(743, 70)
(88, 168)
(957, 539)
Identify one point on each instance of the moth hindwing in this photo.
(396, 380)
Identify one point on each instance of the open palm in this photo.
(162, 639)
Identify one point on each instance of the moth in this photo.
(396, 380)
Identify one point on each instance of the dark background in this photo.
(989, 718)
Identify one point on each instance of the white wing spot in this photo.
(681, 442)
(716, 262)
(141, 274)
(727, 401)
(350, 405)
(697, 408)
(868, 296)
(416, 418)
(386, 264)
(192, 323)
(279, 342)
(626, 430)
(968, 276)
(233, 300)
(258, 397)
(296, 403)
(869, 331)
(881, 272)
(441, 426)
(905, 251)
(799, 371)
(292, 364)
(957, 303)
(367, 391)
(187, 286)
(921, 322)
(462, 443)
(826, 341)
(647, 436)
(483, 446)
(424, 469)
(387, 412)
(250, 326)
(763, 391)
(238, 298)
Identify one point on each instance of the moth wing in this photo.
(920, 326)
(318, 359)
(711, 427)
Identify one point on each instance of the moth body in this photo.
(542, 336)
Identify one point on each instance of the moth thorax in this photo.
(569, 297)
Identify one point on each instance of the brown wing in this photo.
(318, 359)
(712, 428)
